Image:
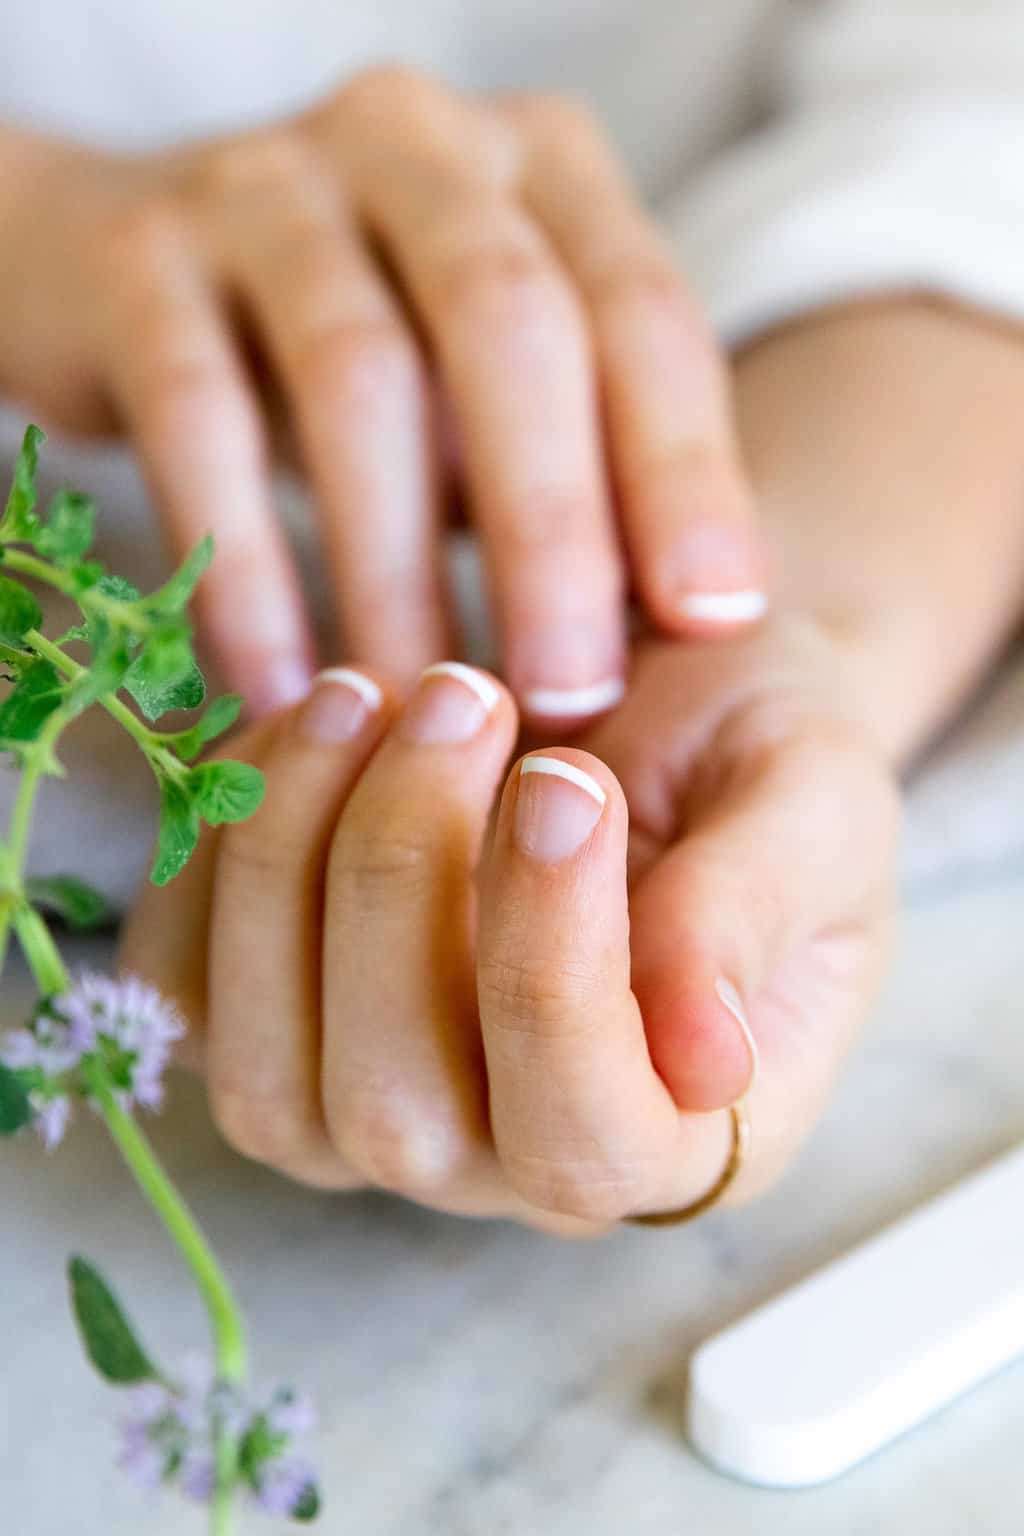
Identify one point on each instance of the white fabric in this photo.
(800, 152)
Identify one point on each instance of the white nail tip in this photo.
(347, 677)
(732, 1000)
(575, 701)
(725, 607)
(559, 770)
(475, 681)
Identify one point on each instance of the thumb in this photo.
(732, 925)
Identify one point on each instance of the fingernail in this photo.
(450, 705)
(557, 808)
(725, 608)
(283, 682)
(575, 702)
(339, 706)
(732, 1000)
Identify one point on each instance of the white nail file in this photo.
(867, 1347)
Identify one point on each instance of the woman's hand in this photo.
(401, 267)
(534, 1021)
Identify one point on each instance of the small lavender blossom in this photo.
(51, 1044)
(49, 1048)
(291, 1413)
(130, 1016)
(50, 1118)
(283, 1485)
(171, 1432)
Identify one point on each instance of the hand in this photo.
(399, 257)
(366, 1024)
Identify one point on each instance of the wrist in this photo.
(885, 444)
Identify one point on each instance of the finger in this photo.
(783, 883)
(356, 383)
(403, 1080)
(263, 1049)
(582, 1122)
(685, 502)
(180, 387)
(513, 352)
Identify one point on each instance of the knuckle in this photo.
(173, 388)
(374, 1134)
(135, 236)
(548, 1002)
(560, 116)
(248, 854)
(647, 279)
(502, 282)
(353, 357)
(235, 165)
(577, 1186)
(378, 92)
(388, 863)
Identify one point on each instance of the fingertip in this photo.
(341, 704)
(555, 801)
(704, 567)
(699, 1053)
(281, 682)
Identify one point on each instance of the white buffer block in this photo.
(856, 1354)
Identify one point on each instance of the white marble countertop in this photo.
(478, 1380)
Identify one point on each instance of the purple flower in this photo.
(283, 1484)
(49, 1044)
(126, 1018)
(51, 1118)
(291, 1413)
(171, 1433)
(125, 1023)
(197, 1475)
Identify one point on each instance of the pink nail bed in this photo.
(557, 808)
(339, 706)
(450, 705)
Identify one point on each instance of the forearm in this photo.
(887, 445)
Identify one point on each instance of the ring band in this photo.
(737, 1157)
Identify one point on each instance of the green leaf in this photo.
(15, 1109)
(19, 611)
(19, 521)
(157, 695)
(308, 1505)
(226, 791)
(75, 903)
(117, 587)
(107, 1335)
(175, 594)
(67, 533)
(220, 717)
(34, 697)
(179, 831)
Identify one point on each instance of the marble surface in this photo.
(478, 1380)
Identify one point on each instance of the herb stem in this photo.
(141, 734)
(222, 1309)
(89, 599)
(39, 950)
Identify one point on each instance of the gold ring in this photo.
(737, 1157)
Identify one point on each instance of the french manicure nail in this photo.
(557, 808)
(575, 702)
(450, 705)
(741, 607)
(339, 706)
(730, 997)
